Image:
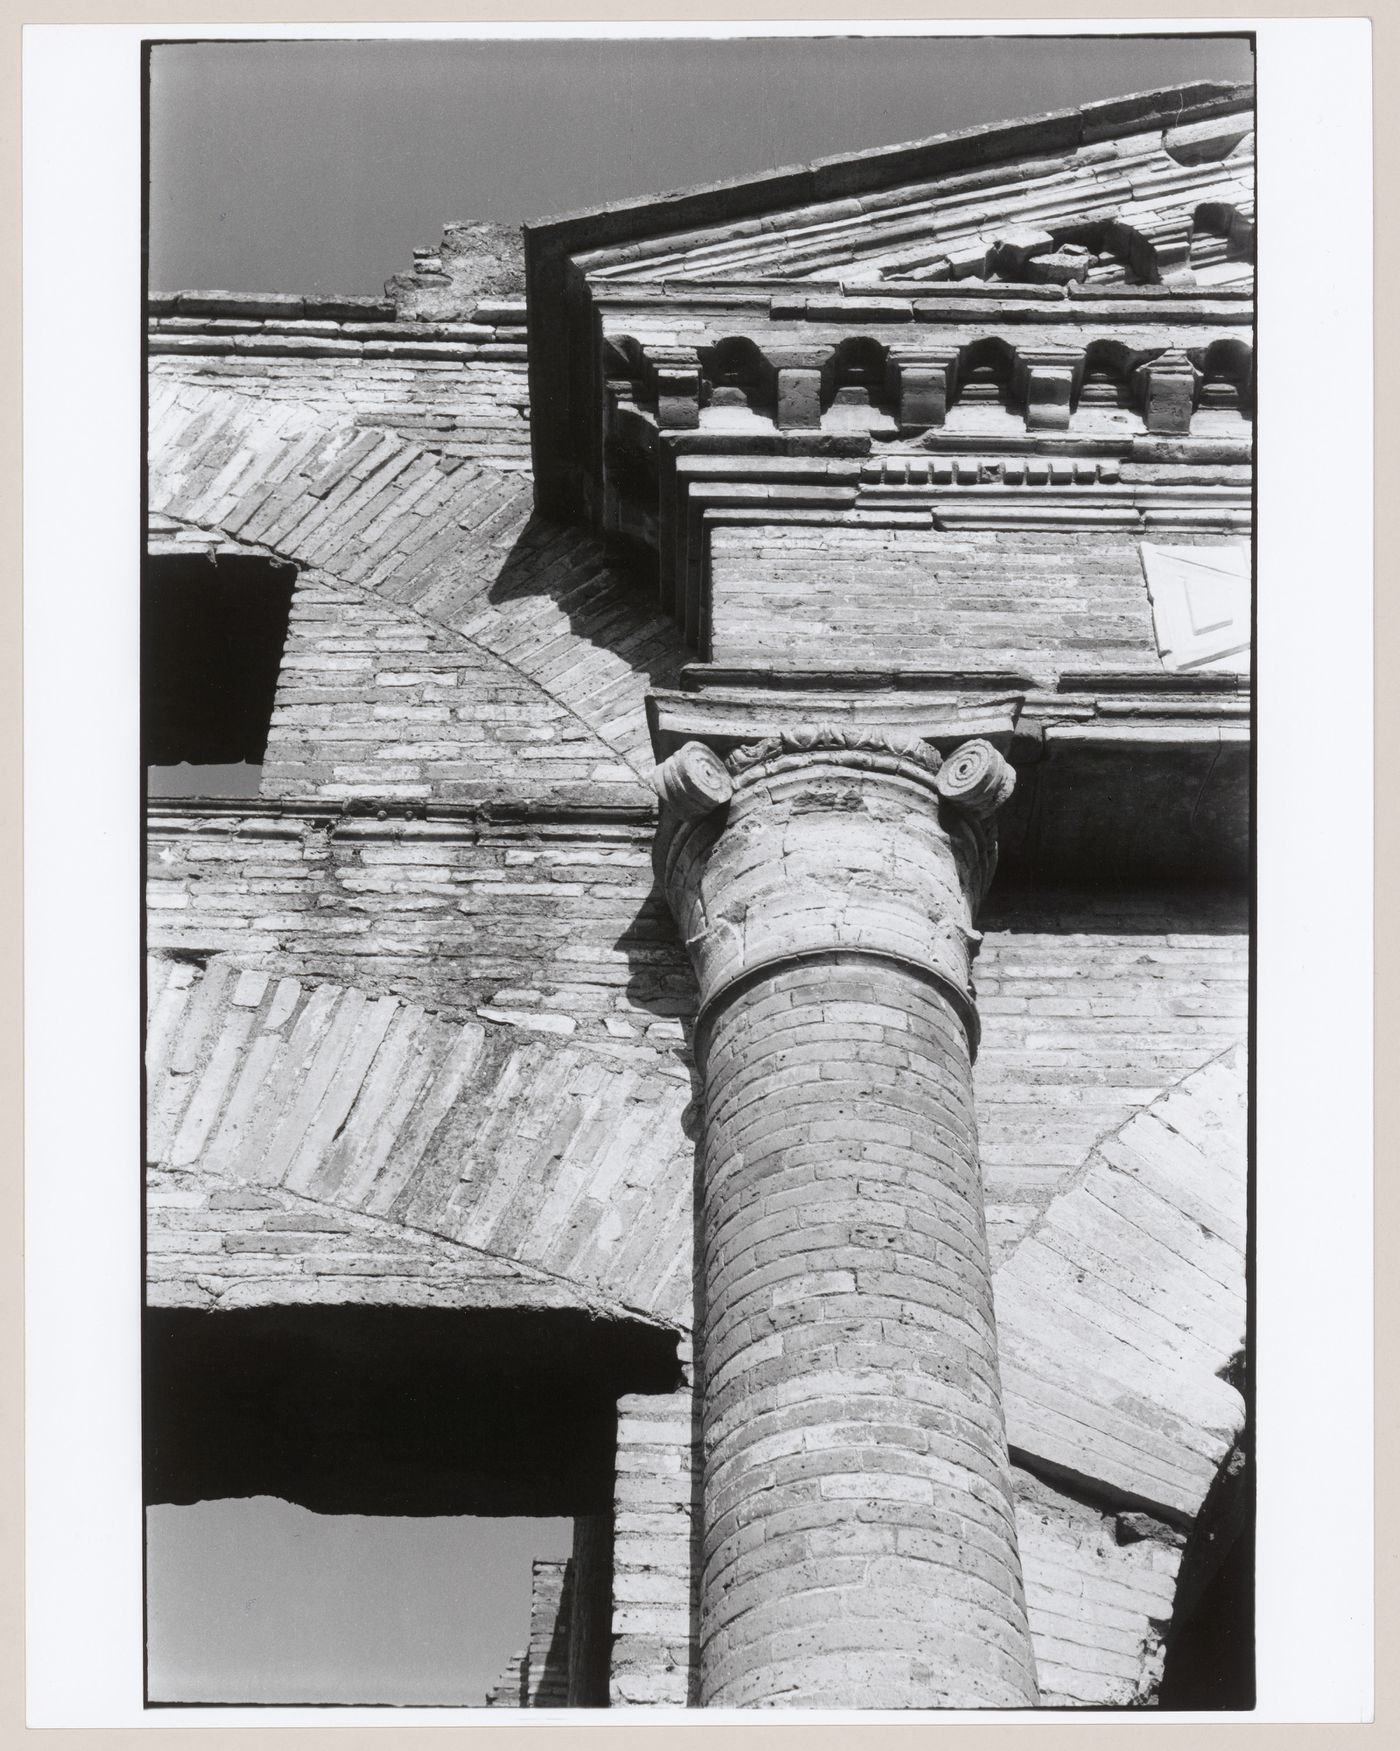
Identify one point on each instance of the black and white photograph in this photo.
(698, 796)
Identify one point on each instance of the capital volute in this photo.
(974, 778)
(693, 782)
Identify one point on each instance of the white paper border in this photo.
(1313, 1043)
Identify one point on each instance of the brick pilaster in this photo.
(858, 1538)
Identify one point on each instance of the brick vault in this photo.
(731, 912)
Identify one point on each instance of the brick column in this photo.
(858, 1539)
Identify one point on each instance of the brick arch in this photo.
(315, 1141)
(1123, 1309)
(424, 714)
(457, 543)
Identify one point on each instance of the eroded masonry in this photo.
(698, 967)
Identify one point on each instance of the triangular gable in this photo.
(1109, 211)
(1152, 189)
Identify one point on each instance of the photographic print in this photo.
(699, 856)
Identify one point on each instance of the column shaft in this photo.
(858, 1545)
(858, 1537)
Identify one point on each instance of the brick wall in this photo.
(1092, 1003)
(371, 1123)
(379, 701)
(451, 542)
(1123, 1310)
(553, 927)
(1032, 601)
(1099, 1595)
(654, 1569)
(460, 402)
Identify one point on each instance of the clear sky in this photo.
(262, 1601)
(320, 166)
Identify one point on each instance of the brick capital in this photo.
(829, 842)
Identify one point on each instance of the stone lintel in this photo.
(728, 708)
(726, 718)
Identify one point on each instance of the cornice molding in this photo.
(169, 820)
(727, 709)
(698, 493)
(657, 308)
(565, 376)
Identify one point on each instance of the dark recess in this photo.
(1210, 1646)
(211, 646)
(383, 1410)
(1210, 1657)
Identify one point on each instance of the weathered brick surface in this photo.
(553, 928)
(473, 262)
(1098, 1598)
(1092, 1004)
(1125, 1304)
(463, 408)
(859, 1539)
(217, 1241)
(453, 540)
(654, 1549)
(1098, 1608)
(377, 1124)
(1035, 602)
(374, 700)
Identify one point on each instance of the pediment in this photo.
(1151, 192)
(1133, 210)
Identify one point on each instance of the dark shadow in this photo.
(1210, 1644)
(552, 1680)
(1130, 815)
(568, 563)
(212, 637)
(660, 979)
(383, 1410)
(590, 1612)
(1018, 904)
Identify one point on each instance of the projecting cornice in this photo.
(1069, 229)
(1026, 489)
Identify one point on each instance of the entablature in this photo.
(1130, 774)
(1138, 210)
(698, 492)
(824, 398)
